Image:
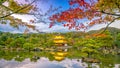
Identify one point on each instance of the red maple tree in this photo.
(94, 11)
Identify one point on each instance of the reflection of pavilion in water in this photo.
(60, 52)
(59, 55)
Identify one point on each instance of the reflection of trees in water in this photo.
(18, 56)
(100, 59)
(106, 61)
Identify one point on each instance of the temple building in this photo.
(59, 40)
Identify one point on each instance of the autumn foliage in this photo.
(15, 7)
(94, 11)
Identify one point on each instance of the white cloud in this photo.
(25, 18)
(45, 27)
(56, 28)
(42, 26)
(115, 24)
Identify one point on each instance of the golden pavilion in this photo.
(59, 40)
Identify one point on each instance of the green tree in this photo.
(3, 38)
(17, 43)
(90, 46)
(28, 46)
(118, 40)
(105, 39)
(8, 41)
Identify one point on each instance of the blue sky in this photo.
(44, 5)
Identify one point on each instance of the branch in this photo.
(109, 13)
(109, 24)
(5, 7)
(18, 9)
(28, 14)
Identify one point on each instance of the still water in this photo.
(54, 60)
(42, 63)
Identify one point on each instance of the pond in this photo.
(42, 63)
(70, 58)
